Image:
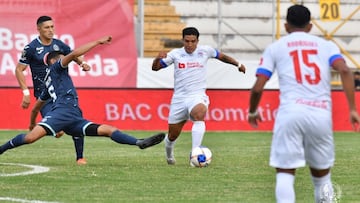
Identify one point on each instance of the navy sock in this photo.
(15, 142)
(79, 146)
(123, 138)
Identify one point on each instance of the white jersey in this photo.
(303, 124)
(190, 69)
(305, 76)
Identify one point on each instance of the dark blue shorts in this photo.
(46, 108)
(67, 118)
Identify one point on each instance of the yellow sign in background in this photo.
(329, 10)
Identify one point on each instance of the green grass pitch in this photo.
(239, 171)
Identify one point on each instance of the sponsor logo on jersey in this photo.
(39, 50)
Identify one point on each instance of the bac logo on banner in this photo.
(76, 22)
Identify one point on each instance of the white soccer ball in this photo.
(200, 157)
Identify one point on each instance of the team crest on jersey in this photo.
(56, 47)
(39, 50)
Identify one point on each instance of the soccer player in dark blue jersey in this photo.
(34, 55)
(65, 114)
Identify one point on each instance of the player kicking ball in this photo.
(66, 114)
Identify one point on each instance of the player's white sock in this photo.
(323, 189)
(197, 132)
(284, 191)
(169, 147)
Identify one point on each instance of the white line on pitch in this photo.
(34, 169)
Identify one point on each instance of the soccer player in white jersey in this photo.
(302, 132)
(189, 100)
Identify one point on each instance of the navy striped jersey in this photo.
(59, 86)
(34, 55)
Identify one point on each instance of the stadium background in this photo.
(123, 91)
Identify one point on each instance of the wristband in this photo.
(26, 92)
(252, 115)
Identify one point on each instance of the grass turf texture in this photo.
(239, 171)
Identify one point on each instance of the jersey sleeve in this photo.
(58, 66)
(64, 47)
(266, 66)
(212, 52)
(26, 54)
(335, 53)
(170, 58)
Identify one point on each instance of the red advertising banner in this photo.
(76, 22)
(147, 109)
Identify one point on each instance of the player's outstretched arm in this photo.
(83, 49)
(80, 61)
(227, 59)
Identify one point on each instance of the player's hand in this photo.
(105, 40)
(156, 65)
(253, 119)
(85, 66)
(241, 68)
(162, 55)
(32, 125)
(25, 101)
(59, 134)
(355, 120)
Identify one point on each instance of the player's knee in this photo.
(198, 115)
(92, 130)
(319, 172)
(174, 134)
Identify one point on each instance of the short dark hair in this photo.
(298, 16)
(52, 55)
(42, 19)
(190, 31)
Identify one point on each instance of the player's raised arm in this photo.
(83, 49)
(228, 59)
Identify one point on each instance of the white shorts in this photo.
(302, 135)
(180, 108)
